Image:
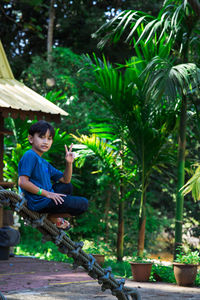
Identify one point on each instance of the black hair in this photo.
(41, 128)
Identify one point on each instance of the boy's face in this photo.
(41, 143)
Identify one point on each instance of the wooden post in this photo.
(1, 146)
(1, 162)
(1, 217)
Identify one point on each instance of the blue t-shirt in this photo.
(40, 173)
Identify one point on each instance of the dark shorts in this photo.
(73, 205)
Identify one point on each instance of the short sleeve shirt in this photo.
(41, 173)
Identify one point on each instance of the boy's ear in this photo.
(30, 138)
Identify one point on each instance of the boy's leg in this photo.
(63, 188)
(75, 205)
(72, 205)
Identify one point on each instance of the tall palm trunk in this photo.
(120, 236)
(107, 207)
(181, 154)
(142, 223)
(50, 31)
(181, 175)
(142, 211)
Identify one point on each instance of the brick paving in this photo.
(21, 273)
(34, 279)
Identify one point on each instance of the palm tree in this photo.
(177, 23)
(147, 126)
(111, 163)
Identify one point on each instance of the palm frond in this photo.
(193, 185)
(96, 146)
(170, 21)
(162, 77)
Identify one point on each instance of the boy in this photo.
(35, 175)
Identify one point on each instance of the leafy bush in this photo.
(190, 257)
(34, 247)
(162, 273)
(95, 247)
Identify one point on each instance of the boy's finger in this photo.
(66, 149)
(70, 149)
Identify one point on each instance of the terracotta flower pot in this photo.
(100, 258)
(185, 274)
(141, 271)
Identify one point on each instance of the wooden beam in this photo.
(5, 131)
(6, 185)
(23, 114)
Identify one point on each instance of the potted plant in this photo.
(141, 268)
(185, 267)
(97, 250)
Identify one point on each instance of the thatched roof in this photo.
(16, 99)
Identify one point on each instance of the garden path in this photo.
(34, 279)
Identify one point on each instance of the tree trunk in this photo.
(195, 6)
(107, 207)
(181, 152)
(142, 224)
(120, 236)
(181, 175)
(50, 31)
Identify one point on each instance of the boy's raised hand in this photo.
(69, 155)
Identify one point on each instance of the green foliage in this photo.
(162, 273)
(106, 152)
(189, 257)
(172, 29)
(148, 126)
(170, 25)
(144, 258)
(11, 163)
(63, 72)
(121, 269)
(193, 185)
(33, 246)
(96, 247)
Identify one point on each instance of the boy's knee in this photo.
(85, 204)
(63, 188)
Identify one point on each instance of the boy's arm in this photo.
(67, 175)
(69, 157)
(27, 185)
